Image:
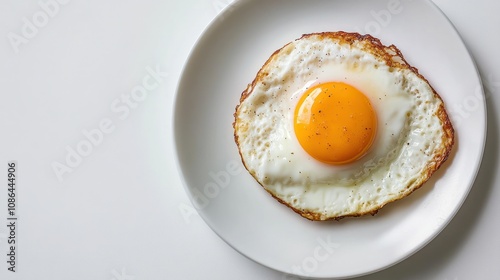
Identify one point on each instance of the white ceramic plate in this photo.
(227, 57)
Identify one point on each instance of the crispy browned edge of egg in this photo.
(375, 47)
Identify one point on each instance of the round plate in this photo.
(227, 57)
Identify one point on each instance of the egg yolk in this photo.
(335, 123)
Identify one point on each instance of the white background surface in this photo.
(105, 222)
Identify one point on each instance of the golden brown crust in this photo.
(393, 57)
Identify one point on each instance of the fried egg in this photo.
(337, 124)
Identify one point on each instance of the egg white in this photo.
(407, 131)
